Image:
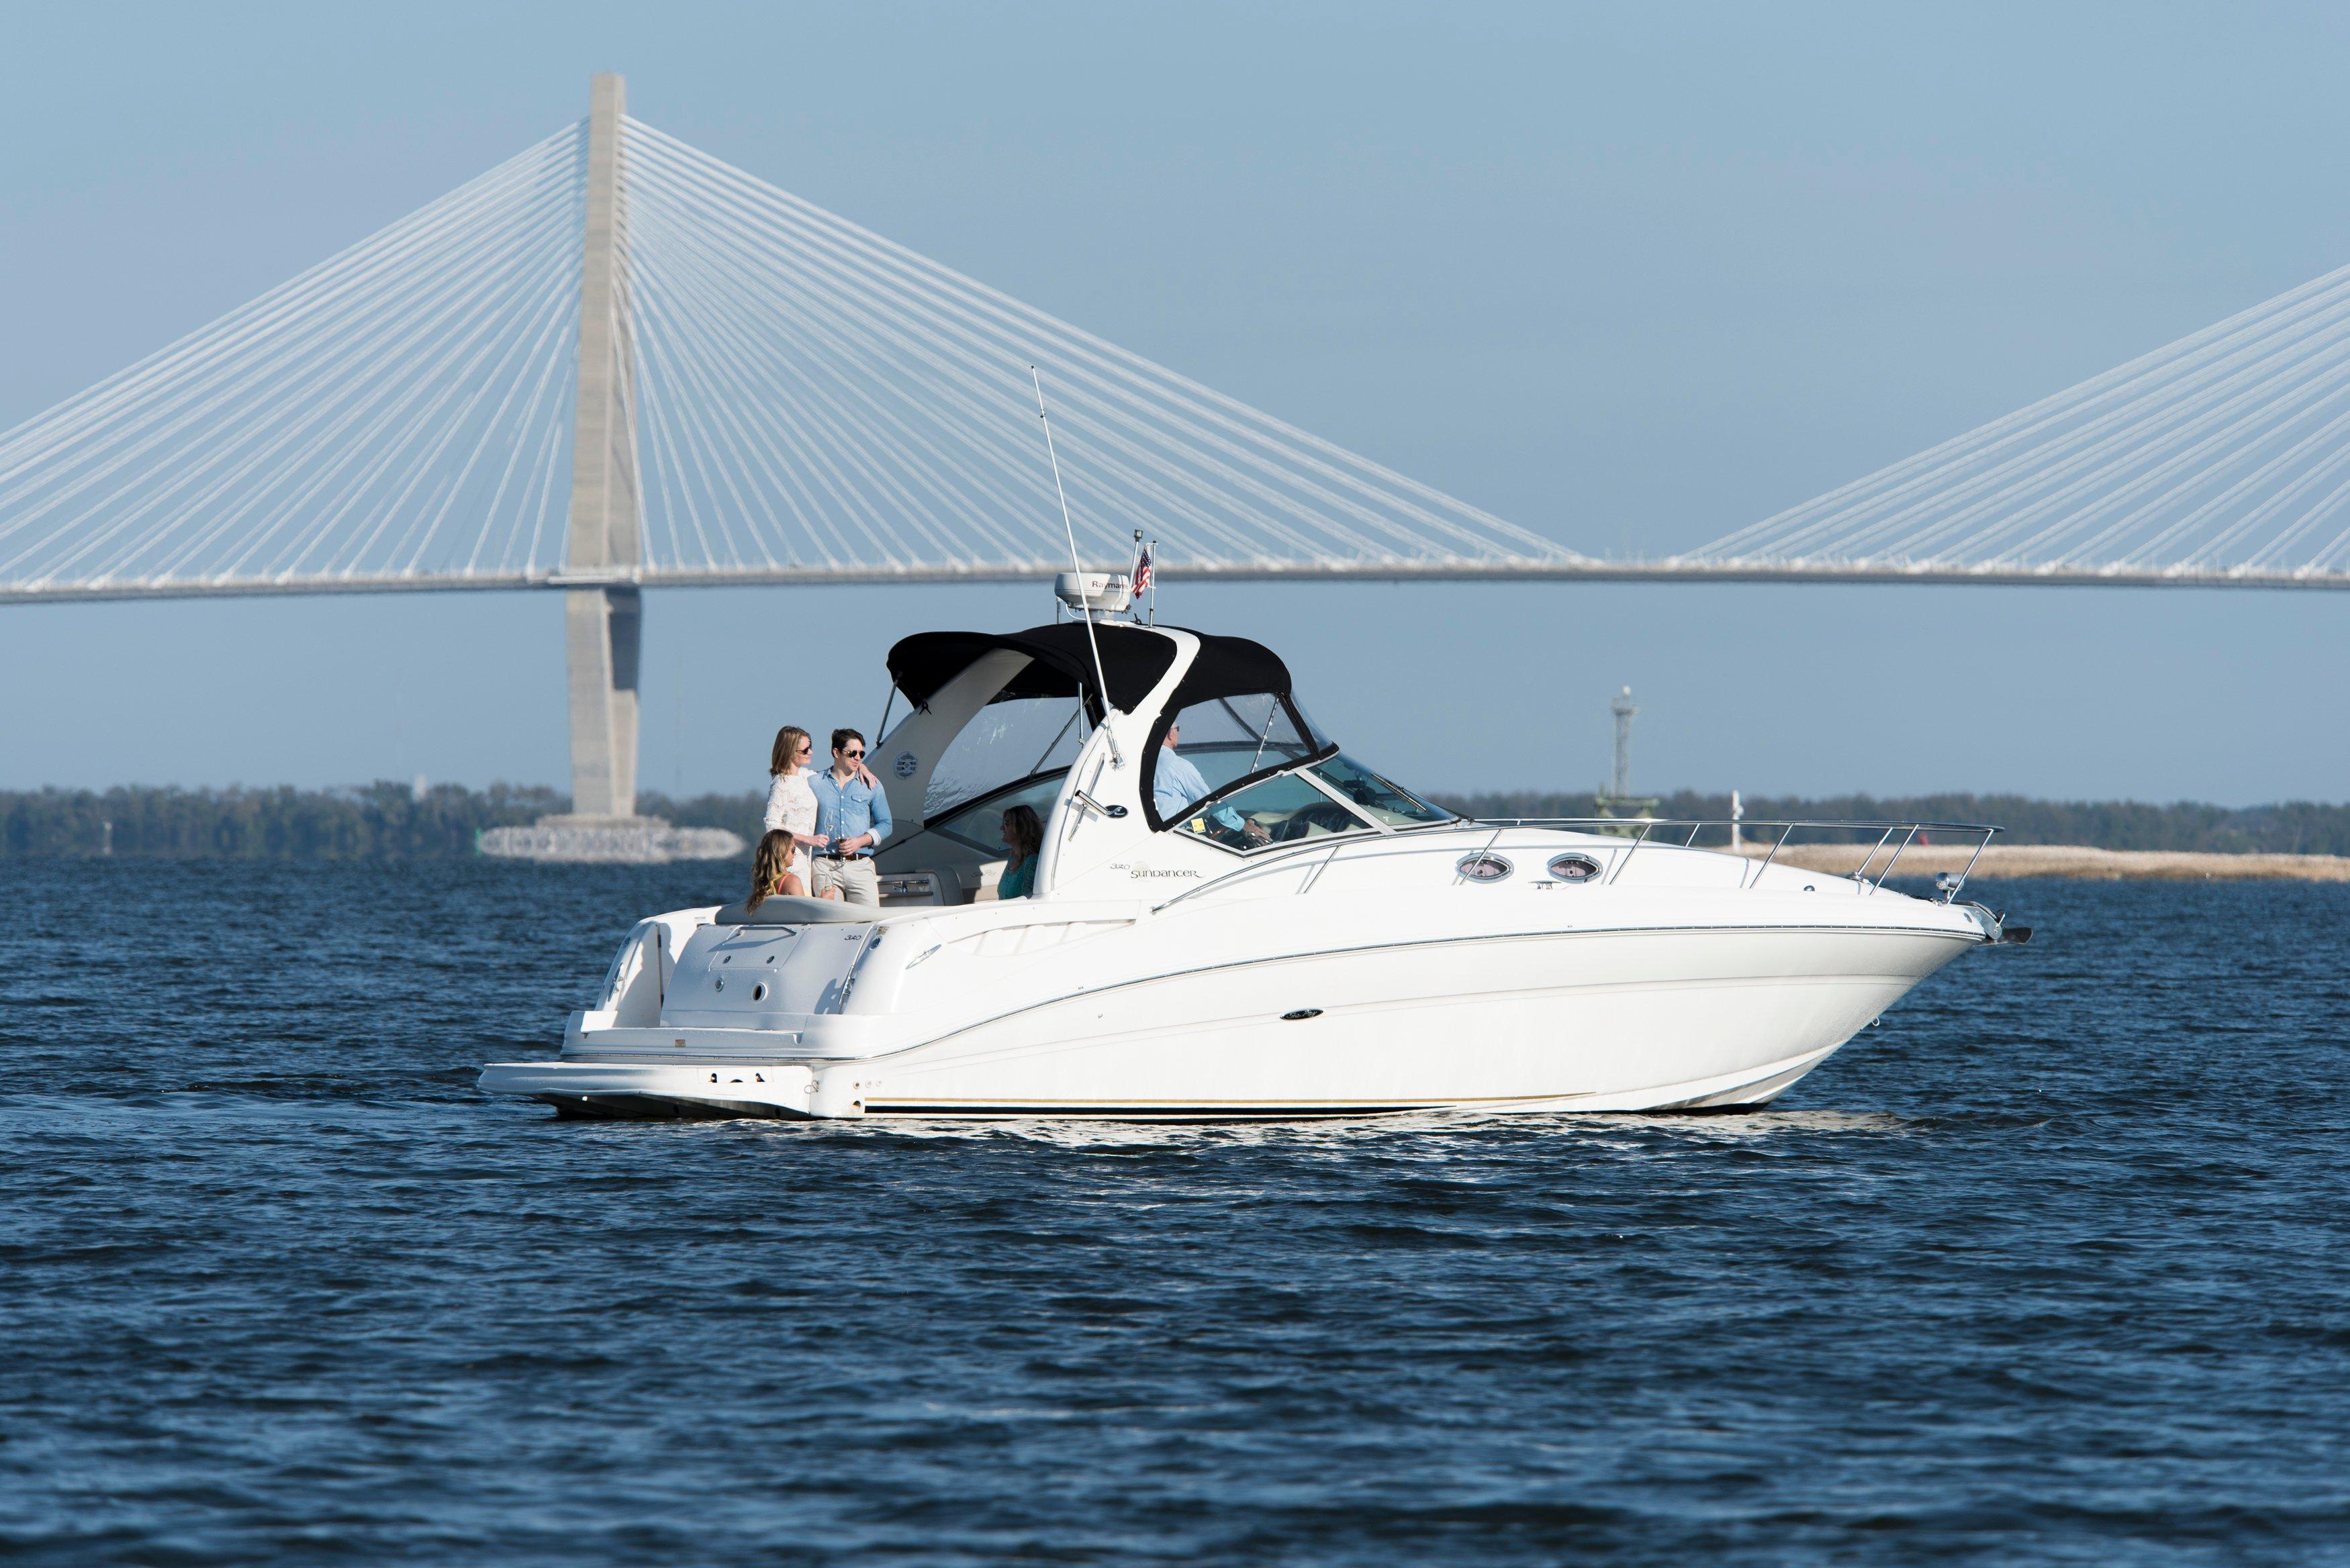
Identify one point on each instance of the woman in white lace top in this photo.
(791, 804)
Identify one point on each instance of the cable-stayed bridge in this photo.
(615, 362)
(754, 388)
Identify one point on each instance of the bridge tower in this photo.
(603, 608)
(603, 624)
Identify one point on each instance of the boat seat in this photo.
(784, 910)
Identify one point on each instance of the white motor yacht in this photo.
(1305, 938)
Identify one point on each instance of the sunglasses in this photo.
(856, 753)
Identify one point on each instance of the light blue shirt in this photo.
(847, 810)
(1177, 783)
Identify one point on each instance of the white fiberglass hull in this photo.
(1303, 938)
(1589, 1020)
(1227, 1013)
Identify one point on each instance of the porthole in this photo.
(1573, 867)
(759, 992)
(1484, 867)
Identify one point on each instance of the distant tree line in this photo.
(367, 822)
(381, 821)
(391, 821)
(745, 815)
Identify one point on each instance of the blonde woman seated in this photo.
(771, 871)
(1024, 837)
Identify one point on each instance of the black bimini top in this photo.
(1133, 662)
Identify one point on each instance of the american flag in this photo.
(1142, 571)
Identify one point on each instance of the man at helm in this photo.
(1178, 783)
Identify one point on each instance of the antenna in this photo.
(1075, 565)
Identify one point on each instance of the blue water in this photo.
(2049, 1268)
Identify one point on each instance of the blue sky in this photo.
(1630, 277)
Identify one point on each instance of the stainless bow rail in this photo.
(1647, 829)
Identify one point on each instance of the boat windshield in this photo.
(1225, 741)
(1283, 809)
(1381, 801)
(1007, 741)
(1286, 809)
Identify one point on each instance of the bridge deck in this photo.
(1590, 571)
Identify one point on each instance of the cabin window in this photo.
(1004, 743)
(1280, 810)
(981, 823)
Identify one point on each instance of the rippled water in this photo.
(2048, 1267)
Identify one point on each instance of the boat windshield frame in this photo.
(1308, 769)
(1449, 818)
(1169, 717)
(977, 806)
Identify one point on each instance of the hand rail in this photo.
(1905, 838)
(1850, 823)
(1784, 829)
(1909, 829)
(1460, 875)
(1392, 843)
(1625, 858)
(1870, 859)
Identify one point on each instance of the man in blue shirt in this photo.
(1178, 782)
(852, 816)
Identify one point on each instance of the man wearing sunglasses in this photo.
(852, 815)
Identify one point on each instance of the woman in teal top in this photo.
(1024, 835)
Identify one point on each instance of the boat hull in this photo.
(1587, 1021)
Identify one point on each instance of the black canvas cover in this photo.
(1230, 667)
(1134, 659)
(1133, 662)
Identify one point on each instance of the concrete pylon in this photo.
(602, 625)
(600, 632)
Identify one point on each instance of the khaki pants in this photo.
(853, 877)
